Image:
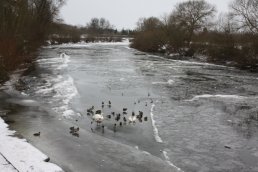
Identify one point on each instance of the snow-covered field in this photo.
(18, 155)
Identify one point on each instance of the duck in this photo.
(145, 118)
(118, 116)
(98, 112)
(124, 109)
(74, 130)
(36, 134)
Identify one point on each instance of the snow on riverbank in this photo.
(18, 155)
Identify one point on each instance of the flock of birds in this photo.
(120, 119)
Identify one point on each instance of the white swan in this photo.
(132, 119)
(98, 118)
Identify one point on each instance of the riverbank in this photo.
(17, 155)
(202, 58)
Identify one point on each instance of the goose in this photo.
(124, 109)
(124, 119)
(109, 102)
(120, 124)
(98, 118)
(145, 118)
(37, 134)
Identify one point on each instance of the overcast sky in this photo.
(122, 13)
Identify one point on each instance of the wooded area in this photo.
(24, 26)
(192, 30)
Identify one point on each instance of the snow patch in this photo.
(22, 155)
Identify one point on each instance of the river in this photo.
(199, 116)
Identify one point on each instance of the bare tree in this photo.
(226, 23)
(99, 26)
(193, 15)
(147, 24)
(246, 13)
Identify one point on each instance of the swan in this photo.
(98, 118)
(132, 119)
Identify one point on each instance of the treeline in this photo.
(191, 31)
(97, 29)
(24, 26)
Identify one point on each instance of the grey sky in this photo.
(122, 13)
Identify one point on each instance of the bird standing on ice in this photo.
(98, 118)
(132, 119)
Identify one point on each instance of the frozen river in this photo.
(200, 117)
